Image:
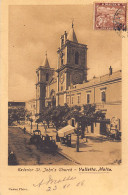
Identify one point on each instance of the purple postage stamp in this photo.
(110, 16)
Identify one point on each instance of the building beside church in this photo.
(30, 106)
(71, 85)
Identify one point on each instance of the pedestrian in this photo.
(45, 127)
(24, 130)
(47, 138)
(12, 159)
(57, 138)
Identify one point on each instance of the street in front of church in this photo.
(26, 154)
(93, 150)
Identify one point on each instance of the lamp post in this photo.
(31, 120)
(77, 143)
(78, 134)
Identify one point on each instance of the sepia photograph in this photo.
(65, 84)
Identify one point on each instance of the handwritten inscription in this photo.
(52, 181)
(52, 184)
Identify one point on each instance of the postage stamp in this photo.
(110, 16)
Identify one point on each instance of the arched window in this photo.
(73, 122)
(103, 96)
(61, 61)
(52, 94)
(76, 58)
(47, 76)
(38, 77)
(53, 97)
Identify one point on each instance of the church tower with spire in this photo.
(72, 63)
(44, 75)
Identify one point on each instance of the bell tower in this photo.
(44, 75)
(72, 62)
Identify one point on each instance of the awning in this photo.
(66, 131)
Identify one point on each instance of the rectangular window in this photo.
(103, 96)
(67, 100)
(88, 98)
(47, 76)
(73, 122)
(78, 99)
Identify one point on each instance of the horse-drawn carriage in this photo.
(48, 144)
(36, 137)
(45, 143)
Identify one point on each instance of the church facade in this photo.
(71, 85)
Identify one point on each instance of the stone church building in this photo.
(71, 85)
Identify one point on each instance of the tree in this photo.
(28, 115)
(85, 115)
(16, 114)
(45, 116)
(58, 116)
(54, 115)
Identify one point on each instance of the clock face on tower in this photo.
(77, 77)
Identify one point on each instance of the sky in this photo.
(33, 30)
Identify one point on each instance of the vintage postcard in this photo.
(64, 68)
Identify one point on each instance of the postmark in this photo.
(110, 16)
